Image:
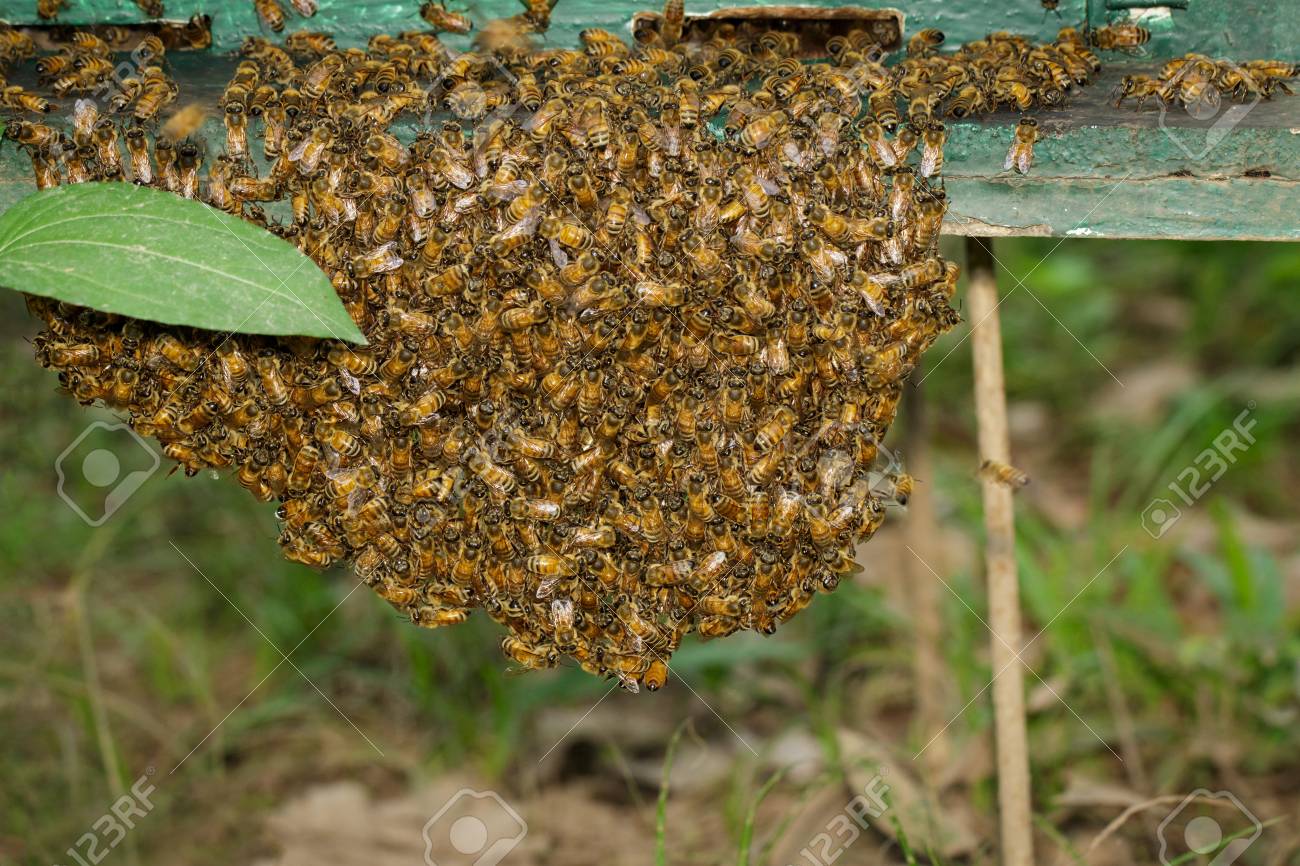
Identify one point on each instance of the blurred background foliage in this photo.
(116, 654)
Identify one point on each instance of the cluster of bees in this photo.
(638, 316)
(1003, 70)
(15, 47)
(1194, 79)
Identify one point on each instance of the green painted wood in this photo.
(1171, 208)
(1234, 28)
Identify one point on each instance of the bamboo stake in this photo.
(920, 530)
(1000, 561)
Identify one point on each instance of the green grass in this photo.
(118, 655)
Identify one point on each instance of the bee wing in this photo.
(1024, 160)
(1011, 157)
(385, 258)
(457, 174)
(507, 191)
(930, 157)
(561, 612)
(558, 255)
(885, 154)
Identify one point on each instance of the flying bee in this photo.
(184, 123)
(1120, 36)
(309, 43)
(442, 19)
(1021, 153)
(901, 488)
(1001, 473)
(925, 42)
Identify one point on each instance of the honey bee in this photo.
(1001, 473)
(1021, 153)
(184, 123)
(566, 634)
(188, 160)
(932, 154)
(49, 9)
(151, 8)
(1139, 87)
(270, 13)
(34, 136)
(310, 43)
(655, 676)
(671, 24)
(762, 130)
(925, 42)
(1121, 36)
(16, 98)
(442, 19)
(901, 485)
(274, 390)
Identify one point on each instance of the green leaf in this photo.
(153, 255)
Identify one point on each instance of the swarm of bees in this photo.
(1194, 80)
(638, 316)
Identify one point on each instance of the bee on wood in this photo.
(1020, 155)
(270, 13)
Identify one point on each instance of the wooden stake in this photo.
(924, 592)
(1000, 561)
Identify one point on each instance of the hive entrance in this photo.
(814, 26)
(192, 35)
